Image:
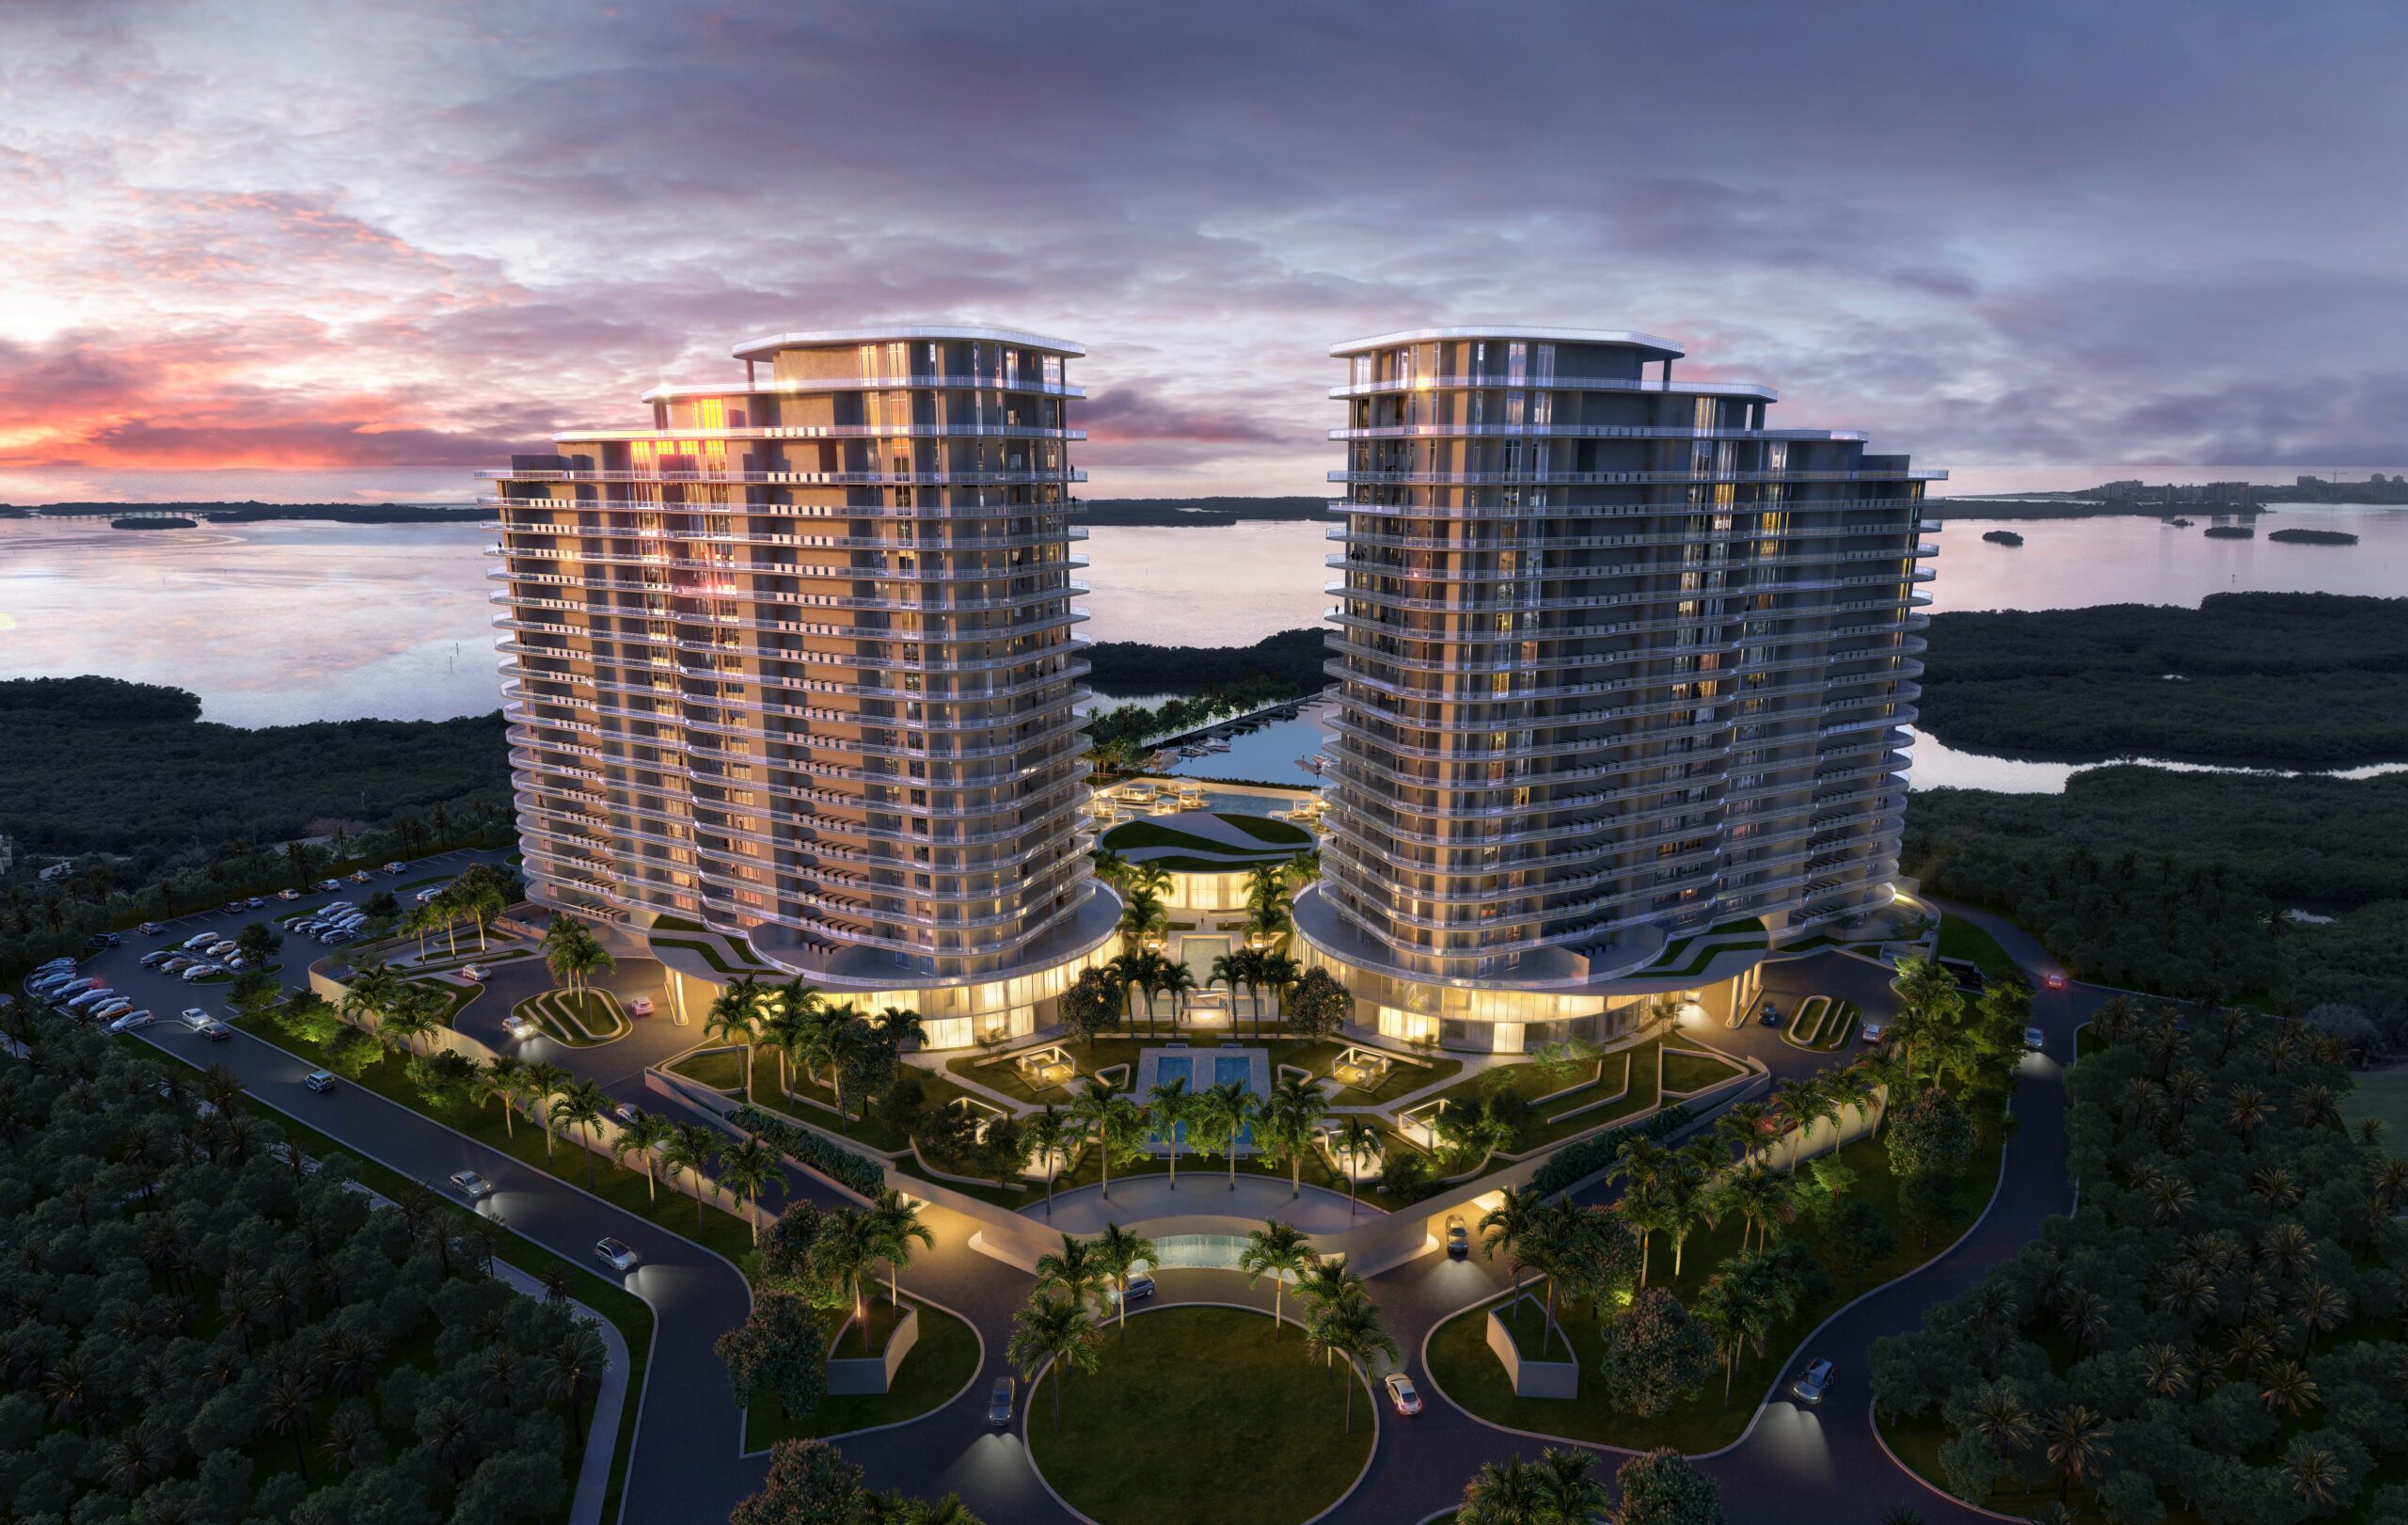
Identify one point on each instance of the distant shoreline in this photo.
(191, 516)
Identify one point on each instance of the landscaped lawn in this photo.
(1685, 1072)
(1462, 1364)
(719, 1069)
(1199, 1415)
(1630, 1070)
(670, 1207)
(1962, 939)
(938, 1362)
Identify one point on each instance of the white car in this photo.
(131, 1019)
(85, 1000)
(397, 867)
(427, 896)
(518, 1027)
(220, 948)
(195, 1018)
(200, 972)
(475, 1187)
(640, 1006)
(473, 975)
(198, 941)
(615, 1254)
(288, 895)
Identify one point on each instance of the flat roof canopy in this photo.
(1509, 331)
(753, 349)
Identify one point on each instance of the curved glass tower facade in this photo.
(795, 662)
(1619, 666)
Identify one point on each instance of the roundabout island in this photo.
(1206, 1413)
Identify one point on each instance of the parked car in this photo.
(200, 972)
(1000, 1400)
(2035, 1040)
(1871, 1032)
(102, 940)
(426, 897)
(640, 1006)
(362, 876)
(1813, 1382)
(54, 984)
(473, 975)
(221, 948)
(518, 1027)
(217, 1032)
(626, 1113)
(2055, 982)
(615, 1254)
(319, 1081)
(149, 929)
(127, 1021)
(256, 903)
(177, 965)
(1139, 1286)
(397, 867)
(1402, 1393)
(54, 965)
(199, 940)
(195, 1018)
(288, 895)
(234, 907)
(152, 961)
(85, 1000)
(1771, 1016)
(475, 1187)
(1458, 1238)
(238, 962)
(331, 883)
(107, 1009)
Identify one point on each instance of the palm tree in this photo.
(1178, 982)
(1742, 1126)
(411, 1012)
(2315, 1474)
(1502, 1493)
(894, 1226)
(641, 1134)
(1054, 1134)
(1073, 1270)
(1508, 1225)
(505, 1077)
(542, 1080)
(1277, 1250)
(1226, 1109)
(1567, 1486)
(1117, 1253)
(690, 1149)
(1169, 1103)
(735, 1017)
(744, 1169)
(1640, 1167)
(1112, 1117)
(1290, 1114)
(1055, 1332)
(582, 1106)
(1350, 1328)
(2077, 1444)
(2003, 1421)
(1228, 969)
(1355, 1141)
(849, 1243)
(1279, 973)
(2288, 1386)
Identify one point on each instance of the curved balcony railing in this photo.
(1615, 478)
(933, 381)
(1459, 545)
(937, 515)
(1553, 430)
(826, 431)
(579, 526)
(1025, 477)
(1564, 509)
(1553, 383)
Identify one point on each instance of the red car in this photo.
(2055, 982)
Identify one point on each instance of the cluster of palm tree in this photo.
(395, 1009)
(810, 1034)
(1144, 913)
(1585, 1251)
(478, 899)
(1284, 1126)
(1561, 1489)
(1341, 1320)
(1258, 970)
(1061, 1324)
(574, 954)
(852, 1241)
(1146, 973)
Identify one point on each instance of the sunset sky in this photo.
(349, 250)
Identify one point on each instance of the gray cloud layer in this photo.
(307, 247)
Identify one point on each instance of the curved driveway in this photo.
(1792, 1464)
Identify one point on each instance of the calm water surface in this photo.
(275, 623)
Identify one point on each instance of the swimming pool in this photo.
(1227, 1068)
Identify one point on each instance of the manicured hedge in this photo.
(818, 1150)
(1578, 1161)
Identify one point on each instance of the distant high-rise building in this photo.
(796, 664)
(1623, 682)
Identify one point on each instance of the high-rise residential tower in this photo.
(1622, 677)
(796, 664)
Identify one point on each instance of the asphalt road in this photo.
(1793, 1464)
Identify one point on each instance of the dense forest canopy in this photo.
(2305, 679)
(1287, 662)
(100, 765)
